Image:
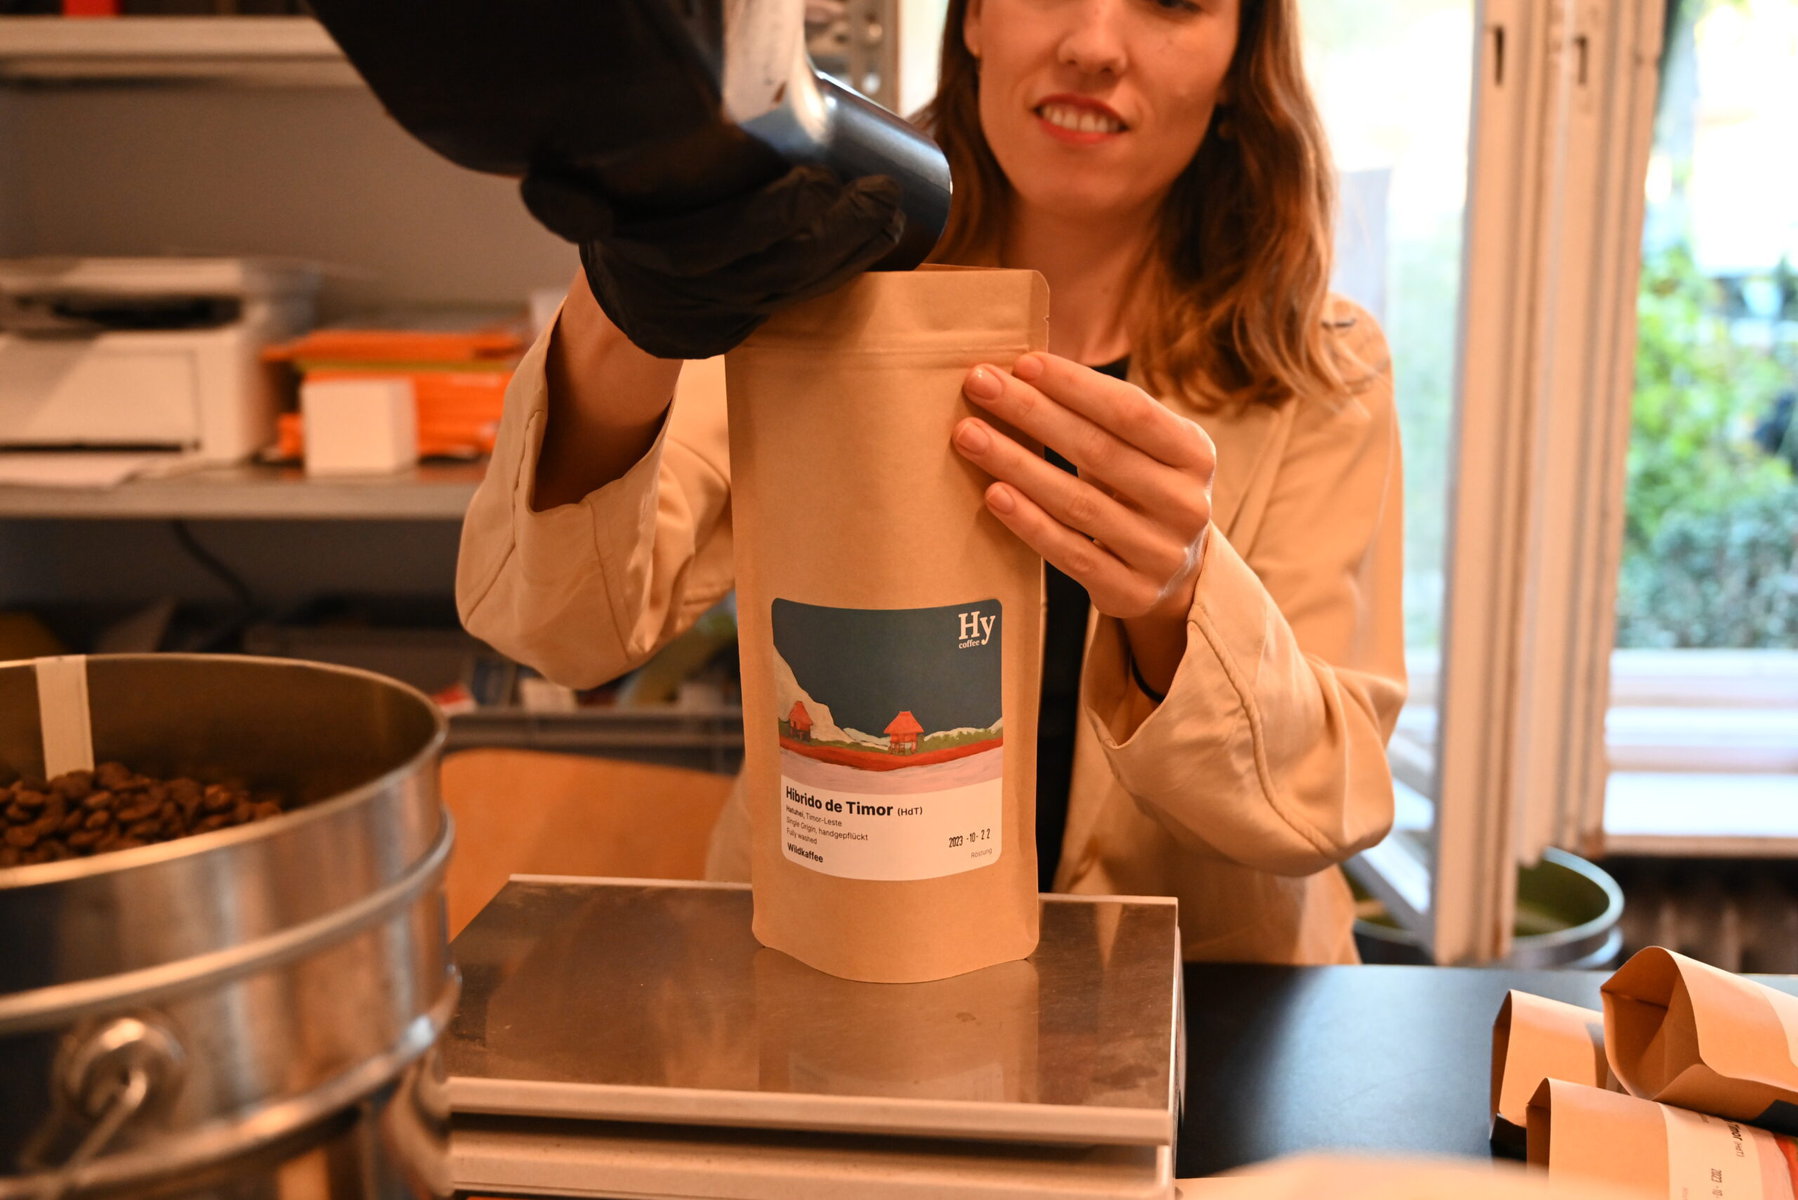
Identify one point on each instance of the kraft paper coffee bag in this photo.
(1535, 1038)
(1686, 1033)
(1654, 1150)
(890, 631)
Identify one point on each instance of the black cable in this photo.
(216, 567)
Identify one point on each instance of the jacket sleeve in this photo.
(1269, 748)
(584, 592)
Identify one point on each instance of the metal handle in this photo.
(121, 1070)
(126, 1103)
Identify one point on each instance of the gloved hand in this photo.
(622, 87)
(692, 231)
(695, 284)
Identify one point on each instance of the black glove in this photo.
(692, 231)
(695, 284)
(621, 87)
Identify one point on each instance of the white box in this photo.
(359, 426)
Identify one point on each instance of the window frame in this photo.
(1562, 122)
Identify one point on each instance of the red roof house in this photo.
(800, 721)
(902, 733)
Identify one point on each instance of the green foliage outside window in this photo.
(1710, 552)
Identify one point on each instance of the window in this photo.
(1502, 753)
(1704, 695)
(1394, 82)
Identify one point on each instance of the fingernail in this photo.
(1000, 499)
(971, 437)
(982, 382)
(1027, 368)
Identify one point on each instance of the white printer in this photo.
(146, 353)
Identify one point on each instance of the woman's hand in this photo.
(1131, 528)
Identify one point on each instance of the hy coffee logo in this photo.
(976, 630)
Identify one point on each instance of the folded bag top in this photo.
(1686, 1033)
(1536, 1038)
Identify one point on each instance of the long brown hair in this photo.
(1234, 310)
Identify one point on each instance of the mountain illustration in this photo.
(824, 726)
(995, 728)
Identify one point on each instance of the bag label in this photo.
(891, 737)
(1709, 1158)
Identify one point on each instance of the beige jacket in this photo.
(1264, 766)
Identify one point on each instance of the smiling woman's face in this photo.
(1094, 107)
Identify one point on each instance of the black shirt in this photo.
(1064, 648)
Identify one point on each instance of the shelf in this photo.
(706, 740)
(278, 51)
(430, 492)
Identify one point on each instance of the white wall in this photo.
(920, 42)
(321, 173)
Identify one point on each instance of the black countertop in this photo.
(1384, 1059)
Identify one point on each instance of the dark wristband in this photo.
(1141, 683)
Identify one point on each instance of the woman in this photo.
(1237, 531)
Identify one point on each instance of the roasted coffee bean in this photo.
(73, 784)
(113, 808)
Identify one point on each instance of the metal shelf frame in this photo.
(428, 492)
(273, 51)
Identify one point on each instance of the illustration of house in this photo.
(902, 733)
(800, 721)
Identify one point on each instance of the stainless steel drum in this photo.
(241, 1014)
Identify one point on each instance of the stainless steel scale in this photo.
(629, 1038)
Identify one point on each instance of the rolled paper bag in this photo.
(1655, 1150)
(1687, 1033)
(1535, 1038)
(890, 631)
